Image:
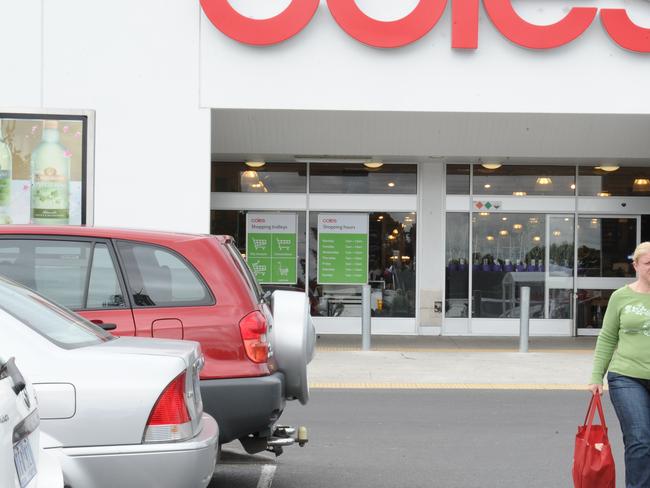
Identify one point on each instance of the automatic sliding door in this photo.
(559, 273)
(605, 246)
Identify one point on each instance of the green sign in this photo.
(343, 249)
(271, 247)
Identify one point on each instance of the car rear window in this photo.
(243, 268)
(56, 324)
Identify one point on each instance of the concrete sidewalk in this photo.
(451, 362)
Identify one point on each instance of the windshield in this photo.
(55, 323)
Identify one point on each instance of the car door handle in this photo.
(104, 325)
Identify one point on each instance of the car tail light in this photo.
(253, 332)
(170, 420)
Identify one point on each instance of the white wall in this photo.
(136, 64)
(323, 68)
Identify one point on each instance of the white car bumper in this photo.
(187, 464)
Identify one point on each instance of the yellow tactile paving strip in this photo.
(432, 349)
(443, 386)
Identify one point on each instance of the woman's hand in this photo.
(594, 388)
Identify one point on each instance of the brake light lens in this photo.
(169, 419)
(253, 330)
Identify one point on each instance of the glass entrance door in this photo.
(559, 280)
(605, 247)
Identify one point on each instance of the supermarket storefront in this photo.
(479, 139)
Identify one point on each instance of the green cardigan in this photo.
(623, 345)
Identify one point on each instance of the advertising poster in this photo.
(41, 170)
(271, 247)
(343, 249)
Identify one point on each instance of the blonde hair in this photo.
(640, 250)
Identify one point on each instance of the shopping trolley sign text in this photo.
(271, 247)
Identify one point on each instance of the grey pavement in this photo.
(451, 362)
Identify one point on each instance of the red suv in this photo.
(180, 286)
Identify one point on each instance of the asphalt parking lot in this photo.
(463, 438)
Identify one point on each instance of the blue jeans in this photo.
(631, 400)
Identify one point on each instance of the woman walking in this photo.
(623, 348)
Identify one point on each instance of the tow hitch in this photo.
(284, 436)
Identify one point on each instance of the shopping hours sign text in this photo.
(464, 33)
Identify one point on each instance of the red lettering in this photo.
(260, 32)
(624, 32)
(379, 33)
(464, 19)
(532, 36)
(422, 19)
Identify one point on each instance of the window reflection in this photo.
(457, 273)
(458, 179)
(627, 181)
(508, 252)
(524, 180)
(268, 178)
(605, 246)
(387, 179)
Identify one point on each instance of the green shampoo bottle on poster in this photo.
(50, 179)
(5, 181)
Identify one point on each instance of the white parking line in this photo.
(266, 478)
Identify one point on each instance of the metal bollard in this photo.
(524, 312)
(365, 317)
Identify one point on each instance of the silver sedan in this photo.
(121, 412)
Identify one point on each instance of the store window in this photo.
(42, 169)
(605, 246)
(267, 178)
(391, 265)
(524, 180)
(388, 179)
(614, 181)
(507, 253)
(458, 179)
(457, 273)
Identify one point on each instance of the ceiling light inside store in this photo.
(607, 167)
(604, 194)
(254, 164)
(573, 186)
(373, 164)
(391, 184)
(484, 214)
(503, 232)
(504, 218)
(557, 233)
(537, 238)
(517, 227)
(489, 238)
(641, 184)
(492, 165)
(395, 231)
(487, 186)
(519, 193)
(544, 180)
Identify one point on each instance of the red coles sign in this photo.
(422, 19)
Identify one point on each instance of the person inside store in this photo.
(623, 351)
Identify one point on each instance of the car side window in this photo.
(104, 289)
(57, 269)
(158, 277)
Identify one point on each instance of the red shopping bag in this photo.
(593, 463)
